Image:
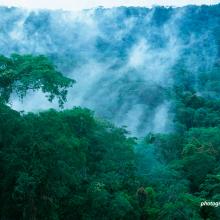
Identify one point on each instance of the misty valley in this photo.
(110, 114)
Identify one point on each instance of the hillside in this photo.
(126, 61)
(110, 114)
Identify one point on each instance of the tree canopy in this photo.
(21, 73)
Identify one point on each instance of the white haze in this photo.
(98, 86)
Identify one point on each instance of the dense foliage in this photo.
(62, 165)
(184, 166)
(71, 164)
(19, 74)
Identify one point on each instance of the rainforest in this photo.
(110, 114)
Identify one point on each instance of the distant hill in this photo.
(126, 61)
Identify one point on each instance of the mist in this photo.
(121, 58)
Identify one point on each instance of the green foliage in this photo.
(20, 73)
(58, 162)
(70, 165)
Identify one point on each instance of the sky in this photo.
(85, 4)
